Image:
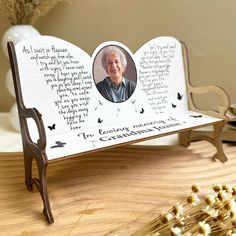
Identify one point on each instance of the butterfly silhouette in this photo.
(142, 111)
(58, 144)
(196, 116)
(100, 121)
(174, 106)
(52, 127)
(179, 96)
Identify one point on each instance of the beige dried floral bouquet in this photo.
(21, 12)
(212, 213)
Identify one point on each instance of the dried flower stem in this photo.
(214, 214)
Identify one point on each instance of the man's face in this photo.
(114, 66)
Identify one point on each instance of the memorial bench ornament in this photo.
(63, 114)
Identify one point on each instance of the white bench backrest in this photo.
(58, 79)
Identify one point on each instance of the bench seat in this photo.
(124, 133)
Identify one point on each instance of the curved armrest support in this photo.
(212, 88)
(37, 117)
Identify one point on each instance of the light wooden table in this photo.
(108, 191)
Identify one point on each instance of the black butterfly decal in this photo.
(142, 111)
(100, 121)
(59, 144)
(196, 116)
(179, 96)
(174, 106)
(52, 127)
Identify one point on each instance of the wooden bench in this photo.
(63, 113)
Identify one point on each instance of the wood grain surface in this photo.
(108, 193)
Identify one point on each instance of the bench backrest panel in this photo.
(59, 79)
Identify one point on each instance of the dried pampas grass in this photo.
(26, 11)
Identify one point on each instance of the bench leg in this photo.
(44, 193)
(40, 183)
(217, 142)
(28, 159)
(184, 138)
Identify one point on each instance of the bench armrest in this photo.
(37, 117)
(225, 102)
(25, 113)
